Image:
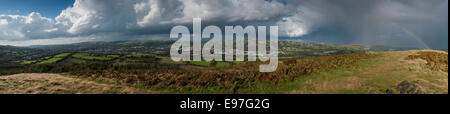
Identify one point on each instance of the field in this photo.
(143, 55)
(303, 68)
(46, 60)
(209, 64)
(93, 57)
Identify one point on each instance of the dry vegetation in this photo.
(188, 78)
(435, 60)
(57, 84)
(345, 73)
(389, 72)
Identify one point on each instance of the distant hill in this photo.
(12, 52)
(378, 48)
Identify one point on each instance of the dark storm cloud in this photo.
(381, 22)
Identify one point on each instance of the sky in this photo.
(47, 8)
(399, 23)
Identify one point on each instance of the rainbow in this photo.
(409, 32)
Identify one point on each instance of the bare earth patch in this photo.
(57, 84)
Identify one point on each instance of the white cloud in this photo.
(158, 12)
(32, 26)
(89, 17)
(301, 22)
(3, 22)
(120, 15)
(290, 27)
(53, 41)
(51, 30)
(92, 16)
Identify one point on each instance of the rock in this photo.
(389, 91)
(407, 87)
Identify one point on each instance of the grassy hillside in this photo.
(406, 72)
(57, 84)
(388, 73)
(303, 68)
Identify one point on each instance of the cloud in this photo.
(4, 22)
(136, 17)
(94, 16)
(370, 22)
(304, 20)
(32, 26)
(334, 21)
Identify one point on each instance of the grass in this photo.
(58, 84)
(62, 55)
(52, 60)
(86, 56)
(27, 62)
(435, 60)
(143, 55)
(168, 60)
(372, 76)
(200, 63)
(303, 83)
(239, 62)
(208, 64)
(46, 60)
(222, 64)
(112, 56)
(228, 79)
(139, 87)
(55, 59)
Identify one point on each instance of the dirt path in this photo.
(57, 84)
(378, 75)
